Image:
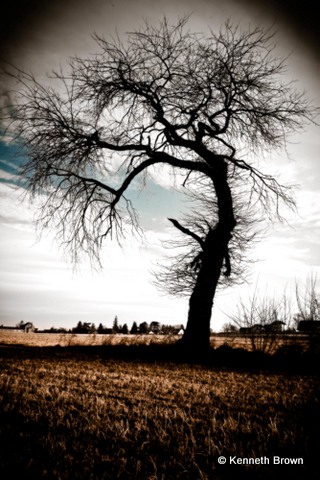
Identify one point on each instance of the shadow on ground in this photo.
(286, 359)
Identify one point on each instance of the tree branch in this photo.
(186, 231)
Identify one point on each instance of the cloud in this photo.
(13, 211)
(6, 177)
(11, 160)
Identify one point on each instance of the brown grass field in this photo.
(272, 343)
(69, 414)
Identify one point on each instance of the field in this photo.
(268, 343)
(72, 413)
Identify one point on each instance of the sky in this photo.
(37, 283)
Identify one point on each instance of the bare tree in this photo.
(204, 105)
(262, 319)
(307, 299)
(308, 317)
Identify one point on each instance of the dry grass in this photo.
(260, 342)
(74, 416)
(268, 343)
(73, 339)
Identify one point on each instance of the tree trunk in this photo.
(197, 334)
(196, 339)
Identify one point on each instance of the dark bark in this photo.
(197, 334)
(215, 254)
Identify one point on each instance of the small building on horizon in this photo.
(26, 327)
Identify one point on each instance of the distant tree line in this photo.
(143, 328)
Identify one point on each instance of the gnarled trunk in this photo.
(196, 338)
(197, 335)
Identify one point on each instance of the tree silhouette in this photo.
(101, 328)
(155, 327)
(204, 106)
(134, 328)
(115, 326)
(144, 328)
(124, 329)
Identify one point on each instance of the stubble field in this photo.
(68, 414)
(268, 343)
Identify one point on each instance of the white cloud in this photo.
(12, 210)
(6, 176)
